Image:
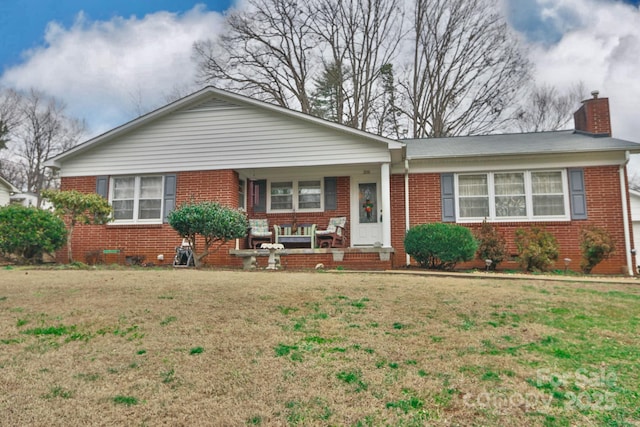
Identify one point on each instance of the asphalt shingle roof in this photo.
(567, 141)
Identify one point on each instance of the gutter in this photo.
(625, 215)
(406, 202)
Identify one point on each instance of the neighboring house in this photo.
(25, 199)
(280, 164)
(6, 191)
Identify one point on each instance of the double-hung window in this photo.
(137, 198)
(514, 195)
(303, 195)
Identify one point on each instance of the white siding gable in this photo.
(219, 134)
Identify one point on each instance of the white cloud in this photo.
(602, 49)
(604, 53)
(103, 69)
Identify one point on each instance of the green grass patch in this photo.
(287, 310)
(353, 378)
(125, 400)
(59, 392)
(50, 330)
(196, 350)
(411, 403)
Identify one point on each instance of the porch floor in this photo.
(309, 258)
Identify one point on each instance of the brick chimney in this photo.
(593, 116)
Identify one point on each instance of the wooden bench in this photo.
(305, 234)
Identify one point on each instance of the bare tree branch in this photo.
(44, 131)
(264, 53)
(466, 69)
(546, 108)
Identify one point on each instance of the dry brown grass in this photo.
(303, 348)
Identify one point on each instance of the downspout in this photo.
(625, 215)
(406, 202)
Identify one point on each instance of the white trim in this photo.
(136, 200)
(528, 197)
(506, 163)
(385, 192)
(406, 204)
(295, 183)
(625, 219)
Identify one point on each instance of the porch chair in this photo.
(334, 235)
(259, 233)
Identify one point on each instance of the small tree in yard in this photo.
(78, 208)
(537, 249)
(596, 245)
(491, 244)
(212, 221)
(440, 246)
(28, 233)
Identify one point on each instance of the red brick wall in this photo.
(151, 240)
(603, 198)
(604, 209)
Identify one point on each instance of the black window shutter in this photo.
(577, 193)
(330, 193)
(448, 197)
(102, 186)
(260, 195)
(169, 195)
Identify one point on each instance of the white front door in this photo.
(366, 229)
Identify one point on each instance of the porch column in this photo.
(385, 190)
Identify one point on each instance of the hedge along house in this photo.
(285, 166)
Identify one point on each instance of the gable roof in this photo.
(567, 141)
(9, 185)
(200, 96)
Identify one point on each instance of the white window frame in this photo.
(529, 217)
(294, 191)
(136, 199)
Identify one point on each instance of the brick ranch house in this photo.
(244, 153)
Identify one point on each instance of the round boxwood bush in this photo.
(440, 246)
(27, 233)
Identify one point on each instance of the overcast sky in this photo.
(104, 58)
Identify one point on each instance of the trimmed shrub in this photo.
(27, 233)
(537, 249)
(596, 246)
(213, 222)
(491, 244)
(440, 246)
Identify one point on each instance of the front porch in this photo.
(358, 258)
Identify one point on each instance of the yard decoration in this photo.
(440, 246)
(28, 232)
(75, 208)
(212, 221)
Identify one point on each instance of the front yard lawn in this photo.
(149, 347)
